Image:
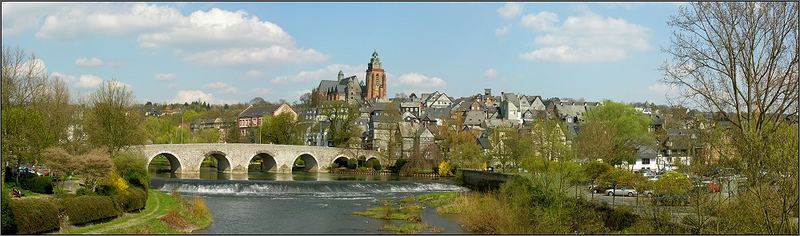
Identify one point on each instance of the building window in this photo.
(645, 161)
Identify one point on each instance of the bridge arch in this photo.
(174, 162)
(223, 161)
(341, 160)
(266, 161)
(374, 163)
(309, 163)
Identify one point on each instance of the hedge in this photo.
(8, 218)
(34, 215)
(132, 199)
(85, 209)
(38, 184)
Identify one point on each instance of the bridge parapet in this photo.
(235, 157)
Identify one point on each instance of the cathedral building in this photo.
(351, 89)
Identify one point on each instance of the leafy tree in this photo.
(280, 129)
(621, 125)
(62, 164)
(206, 136)
(341, 117)
(111, 122)
(233, 135)
(94, 167)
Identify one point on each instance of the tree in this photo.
(35, 113)
(341, 117)
(95, 166)
(623, 128)
(111, 122)
(233, 135)
(739, 60)
(206, 136)
(280, 129)
(257, 101)
(459, 145)
(594, 169)
(61, 163)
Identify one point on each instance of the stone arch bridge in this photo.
(235, 158)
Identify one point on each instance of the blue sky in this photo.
(232, 52)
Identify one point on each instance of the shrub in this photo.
(84, 191)
(133, 169)
(617, 218)
(8, 217)
(132, 199)
(34, 215)
(174, 220)
(39, 184)
(86, 209)
(199, 208)
(444, 169)
(398, 165)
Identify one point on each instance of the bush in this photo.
(84, 191)
(34, 215)
(8, 217)
(38, 184)
(86, 209)
(617, 218)
(132, 199)
(352, 164)
(398, 165)
(133, 169)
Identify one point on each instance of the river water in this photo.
(317, 203)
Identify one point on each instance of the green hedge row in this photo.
(85, 209)
(34, 215)
(38, 184)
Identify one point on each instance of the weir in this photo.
(295, 188)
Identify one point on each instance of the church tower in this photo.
(376, 79)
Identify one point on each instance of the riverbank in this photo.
(163, 214)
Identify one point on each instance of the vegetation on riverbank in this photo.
(408, 209)
(164, 214)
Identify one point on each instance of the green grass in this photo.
(165, 203)
(413, 228)
(409, 209)
(153, 224)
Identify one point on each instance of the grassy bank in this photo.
(408, 211)
(163, 214)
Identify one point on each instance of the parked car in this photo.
(621, 192)
(598, 188)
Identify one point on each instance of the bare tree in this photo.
(111, 122)
(739, 59)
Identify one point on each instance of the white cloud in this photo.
(510, 10)
(255, 56)
(210, 37)
(490, 73)
(585, 38)
(502, 31)
(82, 81)
(253, 73)
(19, 16)
(540, 22)
(165, 76)
(88, 20)
(329, 72)
(89, 62)
(184, 96)
(411, 82)
(223, 87)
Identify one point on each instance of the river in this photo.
(317, 203)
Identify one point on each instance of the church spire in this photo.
(341, 76)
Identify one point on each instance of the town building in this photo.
(252, 116)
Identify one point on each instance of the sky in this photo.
(232, 52)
